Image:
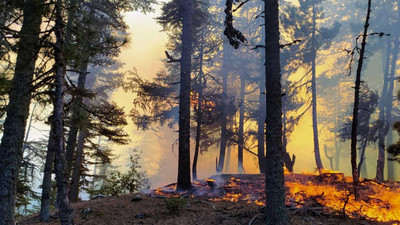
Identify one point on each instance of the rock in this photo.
(136, 198)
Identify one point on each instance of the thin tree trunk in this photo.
(389, 107)
(201, 85)
(76, 174)
(221, 161)
(77, 118)
(381, 132)
(198, 135)
(275, 210)
(261, 128)
(73, 130)
(354, 126)
(18, 108)
(317, 153)
(241, 128)
(56, 139)
(184, 99)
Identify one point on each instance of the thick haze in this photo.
(146, 52)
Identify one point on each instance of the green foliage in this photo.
(121, 183)
(174, 205)
(34, 154)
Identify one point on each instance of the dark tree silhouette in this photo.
(56, 139)
(354, 125)
(184, 182)
(18, 107)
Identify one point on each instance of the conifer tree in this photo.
(18, 107)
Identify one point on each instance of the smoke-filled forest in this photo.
(199, 112)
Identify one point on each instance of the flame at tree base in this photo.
(329, 192)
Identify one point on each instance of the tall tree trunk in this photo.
(275, 209)
(18, 107)
(354, 125)
(76, 174)
(261, 128)
(201, 84)
(317, 153)
(45, 200)
(73, 130)
(224, 71)
(241, 128)
(381, 132)
(198, 135)
(389, 106)
(77, 117)
(184, 99)
(56, 139)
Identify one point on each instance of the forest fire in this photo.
(328, 193)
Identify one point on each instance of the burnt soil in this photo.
(150, 210)
(158, 208)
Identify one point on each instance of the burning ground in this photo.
(239, 199)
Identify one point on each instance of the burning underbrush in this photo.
(308, 194)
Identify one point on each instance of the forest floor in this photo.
(225, 206)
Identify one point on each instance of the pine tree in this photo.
(18, 107)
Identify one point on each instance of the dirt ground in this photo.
(121, 210)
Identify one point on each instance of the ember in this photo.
(325, 193)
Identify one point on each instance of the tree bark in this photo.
(56, 139)
(18, 108)
(77, 118)
(198, 135)
(73, 130)
(76, 175)
(184, 182)
(261, 128)
(354, 125)
(201, 85)
(275, 209)
(317, 153)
